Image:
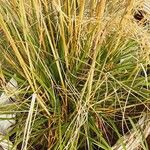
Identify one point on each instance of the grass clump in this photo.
(82, 71)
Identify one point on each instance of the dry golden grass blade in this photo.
(29, 122)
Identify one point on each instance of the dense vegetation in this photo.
(85, 62)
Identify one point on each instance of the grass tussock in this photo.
(82, 71)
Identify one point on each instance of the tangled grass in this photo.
(81, 68)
